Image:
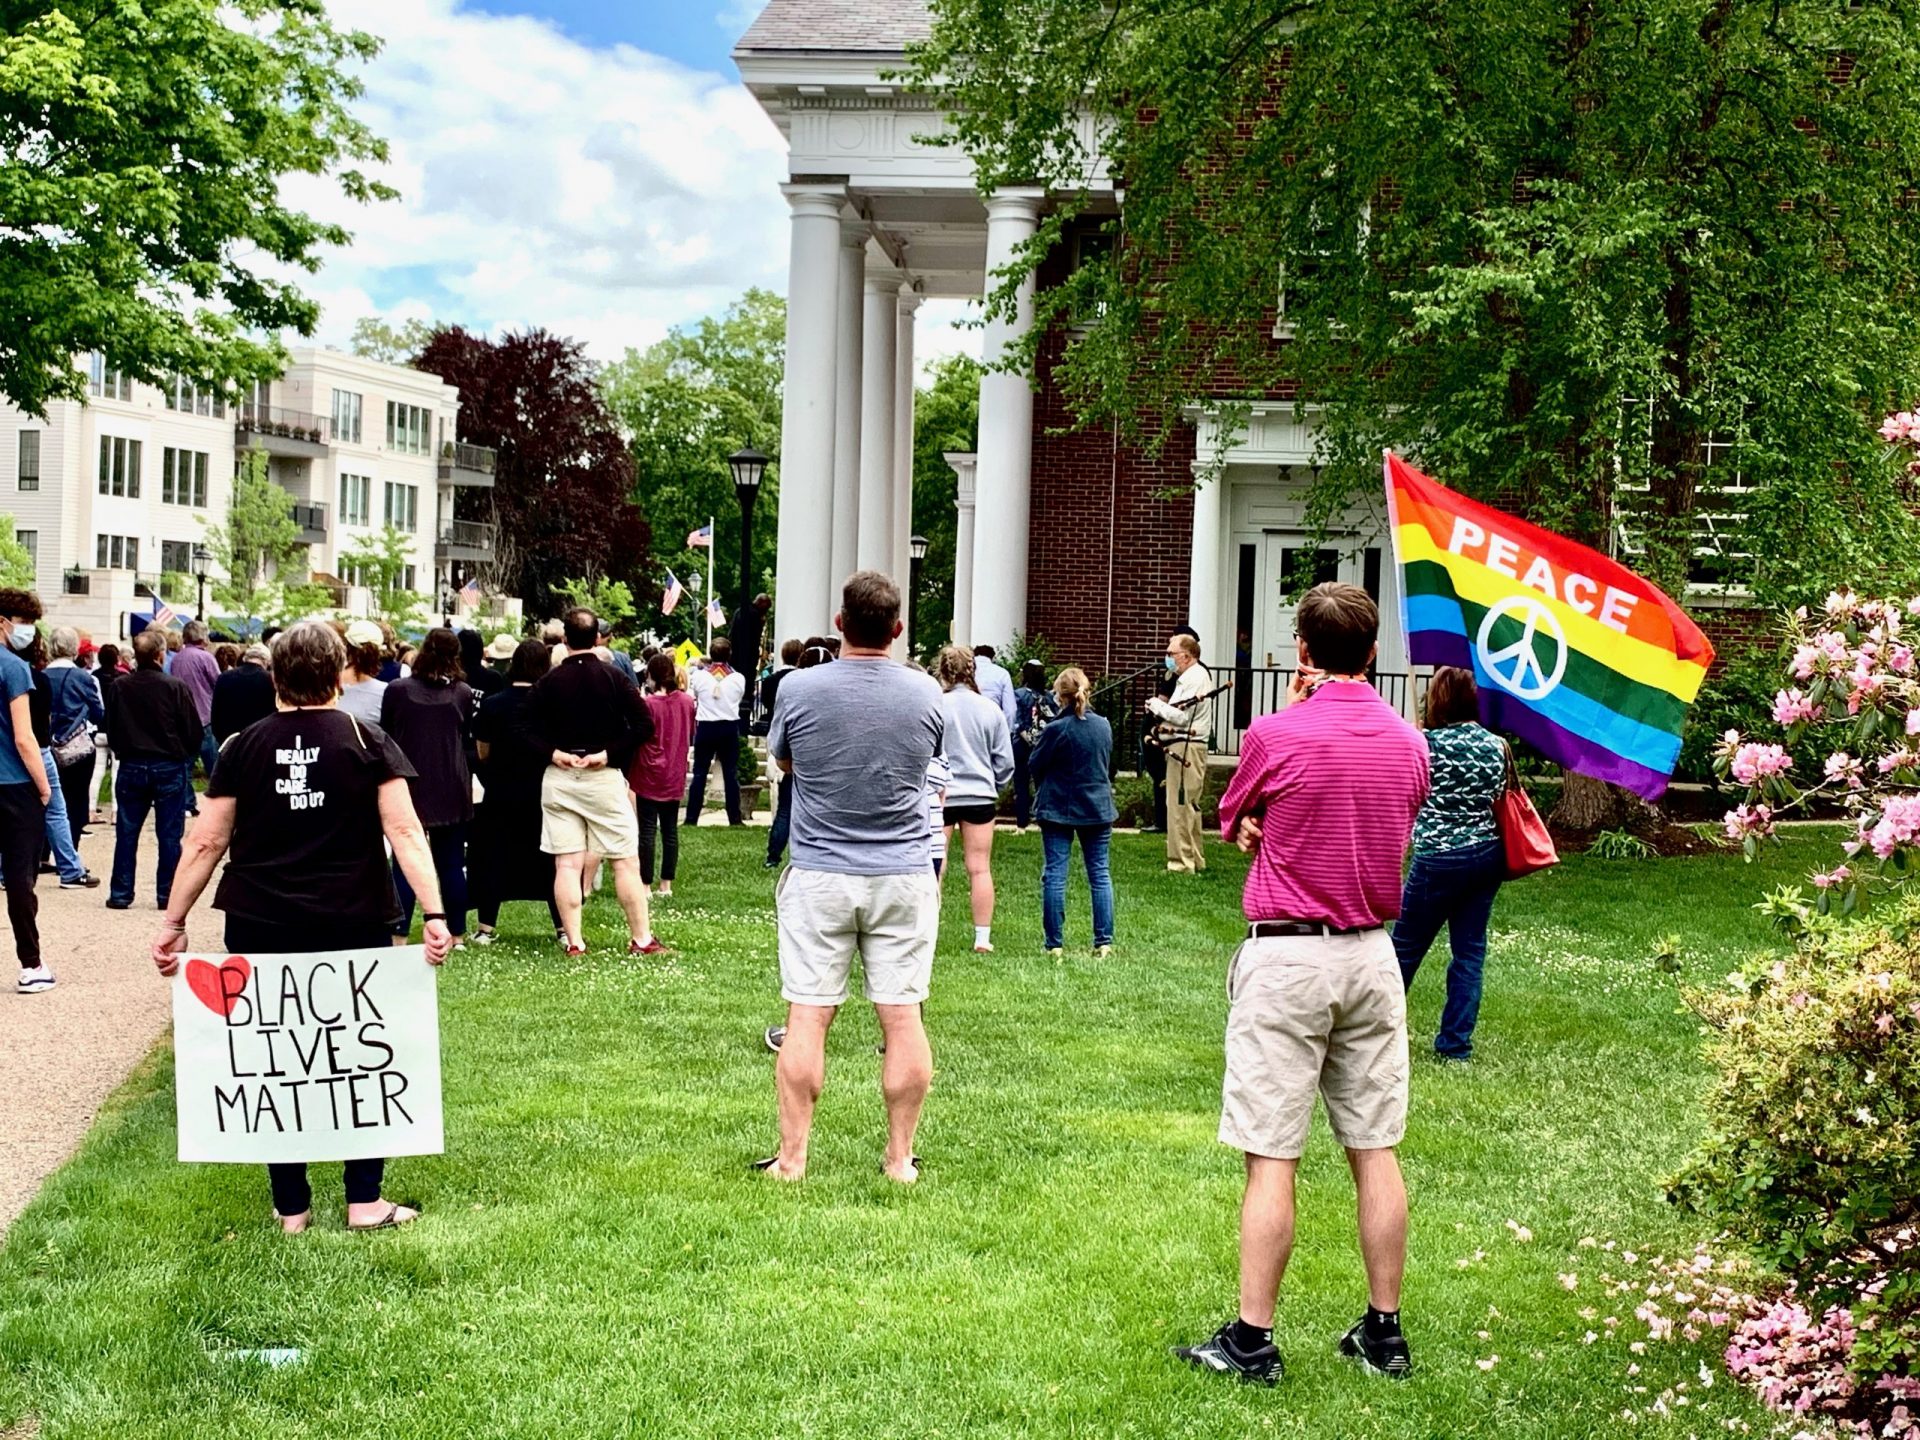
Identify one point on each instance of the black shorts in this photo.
(982, 814)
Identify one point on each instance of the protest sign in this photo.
(334, 1056)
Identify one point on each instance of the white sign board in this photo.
(334, 1056)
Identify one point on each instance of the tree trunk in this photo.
(1587, 805)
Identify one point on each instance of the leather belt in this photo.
(1293, 929)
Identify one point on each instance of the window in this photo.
(408, 429)
(119, 466)
(183, 477)
(403, 506)
(108, 384)
(1311, 268)
(117, 552)
(27, 469)
(30, 542)
(403, 579)
(176, 557)
(356, 499)
(1720, 562)
(191, 399)
(1089, 247)
(346, 417)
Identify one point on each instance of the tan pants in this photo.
(1186, 781)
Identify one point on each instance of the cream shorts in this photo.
(1311, 1014)
(587, 810)
(890, 921)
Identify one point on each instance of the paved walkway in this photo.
(63, 1052)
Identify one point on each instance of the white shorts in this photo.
(890, 921)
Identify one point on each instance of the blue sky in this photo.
(697, 35)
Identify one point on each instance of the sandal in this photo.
(913, 1160)
(389, 1221)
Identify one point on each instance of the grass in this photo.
(596, 1261)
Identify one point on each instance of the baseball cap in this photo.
(364, 632)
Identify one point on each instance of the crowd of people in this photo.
(458, 775)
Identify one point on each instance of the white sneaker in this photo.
(33, 981)
(482, 937)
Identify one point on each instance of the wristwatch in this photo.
(428, 917)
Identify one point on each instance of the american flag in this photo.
(162, 612)
(672, 594)
(701, 538)
(716, 617)
(470, 592)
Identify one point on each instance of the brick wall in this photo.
(1734, 632)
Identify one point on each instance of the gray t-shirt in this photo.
(860, 734)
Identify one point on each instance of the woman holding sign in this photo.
(304, 799)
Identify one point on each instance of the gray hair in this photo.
(257, 654)
(63, 642)
(193, 632)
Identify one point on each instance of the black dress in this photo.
(504, 856)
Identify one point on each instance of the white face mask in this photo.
(21, 636)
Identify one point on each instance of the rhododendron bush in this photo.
(1813, 1123)
(1852, 683)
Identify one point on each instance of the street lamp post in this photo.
(917, 549)
(202, 558)
(748, 466)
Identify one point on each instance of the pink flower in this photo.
(1805, 658)
(1839, 602)
(1745, 820)
(1839, 875)
(1894, 428)
(1900, 659)
(1883, 1022)
(1913, 721)
(1790, 707)
(1755, 762)
(1840, 767)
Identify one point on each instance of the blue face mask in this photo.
(21, 637)
(1169, 662)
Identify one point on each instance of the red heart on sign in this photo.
(210, 983)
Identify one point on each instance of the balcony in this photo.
(76, 582)
(463, 540)
(467, 464)
(290, 433)
(312, 520)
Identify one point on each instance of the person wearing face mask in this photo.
(1184, 723)
(25, 787)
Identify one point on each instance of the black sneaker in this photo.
(1220, 1355)
(113, 904)
(1382, 1354)
(774, 1037)
(85, 880)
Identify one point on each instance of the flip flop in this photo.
(388, 1221)
(766, 1164)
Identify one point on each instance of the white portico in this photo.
(881, 221)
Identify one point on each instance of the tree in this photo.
(946, 416)
(263, 574)
(1557, 251)
(610, 600)
(687, 403)
(375, 339)
(563, 481)
(380, 563)
(16, 565)
(142, 153)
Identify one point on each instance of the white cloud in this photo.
(606, 194)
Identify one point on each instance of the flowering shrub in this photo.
(1852, 681)
(1812, 1152)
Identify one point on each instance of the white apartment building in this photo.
(112, 496)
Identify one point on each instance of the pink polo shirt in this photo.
(1335, 781)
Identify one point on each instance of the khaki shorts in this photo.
(1325, 1013)
(587, 810)
(890, 921)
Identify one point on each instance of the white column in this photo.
(1004, 483)
(963, 465)
(882, 325)
(807, 412)
(846, 427)
(903, 377)
(1203, 560)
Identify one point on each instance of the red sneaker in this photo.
(652, 947)
(571, 950)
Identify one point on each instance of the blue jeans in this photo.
(1057, 841)
(449, 846)
(1454, 888)
(209, 750)
(1022, 784)
(782, 825)
(161, 786)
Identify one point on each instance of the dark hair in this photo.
(662, 671)
(1340, 623)
(307, 659)
(984, 652)
(581, 628)
(438, 660)
(20, 604)
(723, 650)
(531, 659)
(108, 659)
(814, 652)
(1451, 698)
(790, 652)
(473, 654)
(366, 659)
(1033, 675)
(227, 656)
(149, 646)
(833, 646)
(268, 635)
(869, 609)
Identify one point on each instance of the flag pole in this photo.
(710, 520)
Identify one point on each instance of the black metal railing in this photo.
(477, 459)
(312, 520)
(466, 535)
(286, 424)
(1256, 690)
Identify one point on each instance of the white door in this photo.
(1295, 564)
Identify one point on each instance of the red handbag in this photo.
(1523, 834)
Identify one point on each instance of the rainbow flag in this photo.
(1574, 653)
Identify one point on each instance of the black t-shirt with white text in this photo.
(307, 842)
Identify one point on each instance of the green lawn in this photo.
(596, 1260)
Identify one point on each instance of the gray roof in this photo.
(881, 26)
